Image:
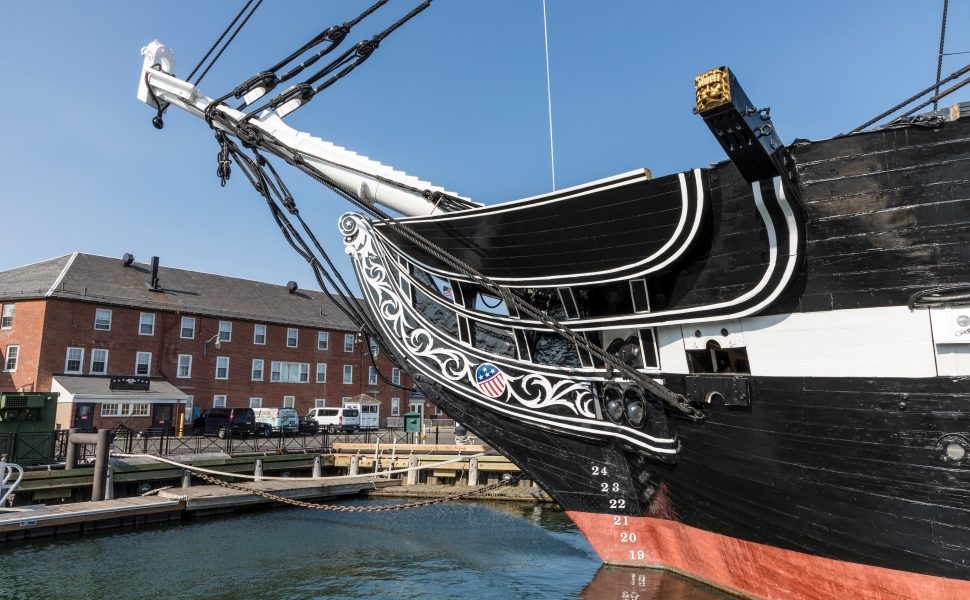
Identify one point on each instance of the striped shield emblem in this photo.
(490, 380)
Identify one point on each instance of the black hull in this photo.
(832, 468)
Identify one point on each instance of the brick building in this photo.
(146, 346)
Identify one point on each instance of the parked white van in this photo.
(369, 411)
(280, 420)
(336, 419)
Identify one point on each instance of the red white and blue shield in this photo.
(490, 380)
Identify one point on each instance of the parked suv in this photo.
(224, 421)
(336, 419)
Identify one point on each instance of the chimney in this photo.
(153, 282)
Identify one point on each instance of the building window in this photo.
(345, 400)
(371, 376)
(259, 334)
(219, 401)
(6, 320)
(143, 363)
(146, 324)
(396, 376)
(257, 369)
(225, 331)
(188, 328)
(437, 409)
(323, 340)
(348, 373)
(222, 367)
(374, 350)
(123, 409)
(10, 361)
(292, 337)
(255, 403)
(74, 361)
(185, 366)
(349, 342)
(189, 413)
(289, 401)
(320, 403)
(102, 319)
(395, 407)
(289, 372)
(321, 372)
(99, 362)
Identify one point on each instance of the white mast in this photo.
(365, 179)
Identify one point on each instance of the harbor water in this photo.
(458, 550)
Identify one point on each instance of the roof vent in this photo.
(127, 259)
(153, 282)
(291, 287)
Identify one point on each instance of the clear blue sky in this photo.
(457, 97)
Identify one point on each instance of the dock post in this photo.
(317, 471)
(354, 464)
(101, 464)
(473, 471)
(109, 484)
(413, 473)
(186, 478)
(259, 470)
(70, 454)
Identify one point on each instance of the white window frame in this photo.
(185, 321)
(289, 401)
(292, 333)
(395, 407)
(97, 313)
(277, 367)
(225, 331)
(262, 370)
(125, 409)
(139, 409)
(220, 359)
(255, 402)
(371, 375)
(349, 340)
(6, 358)
(139, 355)
(396, 376)
(219, 400)
(257, 328)
(323, 340)
(321, 376)
(188, 366)
(6, 316)
(348, 374)
(142, 323)
(91, 369)
(80, 360)
(320, 403)
(345, 400)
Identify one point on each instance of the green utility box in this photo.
(27, 427)
(412, 423)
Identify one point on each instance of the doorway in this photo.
(84, 416)
(162, 418)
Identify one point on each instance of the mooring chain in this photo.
(338, 508)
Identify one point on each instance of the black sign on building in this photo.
(129, 383)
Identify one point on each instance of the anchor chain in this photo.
(338, 508)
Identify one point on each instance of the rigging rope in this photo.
(552, 152)
(916, 96)
(223, 49)
(939, 60)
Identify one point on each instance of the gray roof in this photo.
(86, 388)
(104, 280)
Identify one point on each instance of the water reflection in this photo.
(622, 583)
(469, 550)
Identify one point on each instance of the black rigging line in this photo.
(226, 31)
(338, 68)
(939, 60)
(916, 96)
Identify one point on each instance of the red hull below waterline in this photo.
(751, 569)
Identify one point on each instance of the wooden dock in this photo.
(170, 504)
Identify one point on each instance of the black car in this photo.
(224, 422)
(308, 425)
